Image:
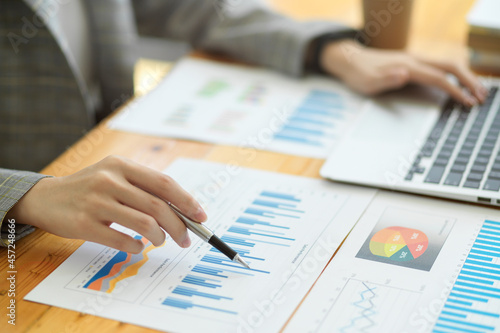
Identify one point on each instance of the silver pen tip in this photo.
(238, 259)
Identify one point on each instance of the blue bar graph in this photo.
(474, 302)
(312, 121)
(192, 279)
(185, 304)
(248, 232)
(267, 213)
(190, 292)
(265, 223)
(297, 139)
(250, 221)
(277, 195)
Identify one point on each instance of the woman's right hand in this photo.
(85, 204)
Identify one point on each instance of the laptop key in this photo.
(462, 159)
(451, 139)
(481, 160)
(488, 145)
(492, 185)
(435, 174)
(427, 152)
(466, 152)
(472, 137)
(448, 146)
(490, 139)
(453, 179)
(494, 174)
(441, 162)
(475, 176)
(480, 168)
(430, 145)
(472, 184)
(458, 168)
(485, 152)
(444, 154)
(417, 169)
(475, 131)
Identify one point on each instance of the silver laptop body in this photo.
(424, 143)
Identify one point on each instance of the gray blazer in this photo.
(46, 102)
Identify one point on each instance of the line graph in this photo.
(123, 265)
(111, 268)
(366, 308)
(363, 306)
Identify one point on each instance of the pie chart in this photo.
(399, 243)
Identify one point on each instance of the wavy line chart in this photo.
(367, 312)
(122, 266)
(364, 306)
(112, 268)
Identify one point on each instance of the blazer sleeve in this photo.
(13, 186)
(243, 29)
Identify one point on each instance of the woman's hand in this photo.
(84, 205)
(372, 71)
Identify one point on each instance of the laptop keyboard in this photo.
(462, 160)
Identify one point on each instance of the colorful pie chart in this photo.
(399, 243)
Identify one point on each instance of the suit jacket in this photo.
(46, 103)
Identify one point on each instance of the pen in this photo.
(208, 236)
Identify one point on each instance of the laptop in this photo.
(423, 142)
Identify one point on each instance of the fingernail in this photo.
(200, 214)
(186, 242)
(471, 100)
(482, 91)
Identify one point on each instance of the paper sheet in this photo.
(402, 270)
(285, 227)
(244, 106)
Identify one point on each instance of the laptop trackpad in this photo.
(393, 121)
(384, 140)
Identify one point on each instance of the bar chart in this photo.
(473, 304)
(277, 223)
(250, 107)
(315, 121)
(268, 224)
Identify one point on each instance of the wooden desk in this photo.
(438, 29)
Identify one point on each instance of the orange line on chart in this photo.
(97, 284)
(132, 269)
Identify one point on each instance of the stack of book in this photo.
(484, 36)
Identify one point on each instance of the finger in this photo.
(164, 187)
(425, 74)
(464, 75)
(142, 223)
(109, 237)
(152, 210)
